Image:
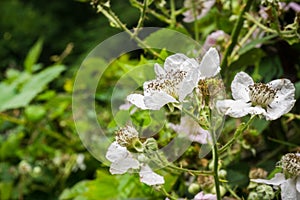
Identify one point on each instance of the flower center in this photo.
(290, 163)
(126, 136)
(167, 83)
(261, 94)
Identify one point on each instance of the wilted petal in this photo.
(239, 86)
(158, 100)
(277, 180)
(148, 177)
(210, 64)
(137, 100)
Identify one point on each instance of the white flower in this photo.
(289, 181)
(192, 129)
(202, 196)
(176, 80)
(271, 100)
(122, 161)
(214, 39)
(79, 163)
(201, 9)
(290, 188)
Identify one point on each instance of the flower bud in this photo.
(194, 188)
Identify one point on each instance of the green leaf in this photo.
(104, 187)
(33, 55)
(253, 43)
(179, 42)
(11, 98)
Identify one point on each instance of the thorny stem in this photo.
(237, 133)
(111, 15)
(142, 17)
(161, 17)
(235, 33)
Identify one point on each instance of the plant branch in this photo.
(242, 127)
(235, 33)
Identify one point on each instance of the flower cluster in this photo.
(176, 80)
(197, 9)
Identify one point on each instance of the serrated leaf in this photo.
(33, 55)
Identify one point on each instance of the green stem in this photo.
(216, 165)
(191, 171)
(235, 33)
(8, 118)
(173, 14)
(142, 17)
(252, 19)
(242, 127)
(163, 190)
(161, 17)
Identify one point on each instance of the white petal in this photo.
(277, 180)
(174, 62)
(148, 177)
(115, 152)
(210, 64)
(191, 128)
(239, 86)
(298, 184)
(288, 190)
(137, 100)
(202, 196)
(158, 100)
(159, 71)
(121, 159)
(233, 108)
(188, 85)
(284, 100)
(123, 165)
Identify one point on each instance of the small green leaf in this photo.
(35, 112)
(33, 55)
